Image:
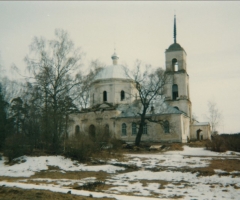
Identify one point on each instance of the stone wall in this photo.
(204, 134)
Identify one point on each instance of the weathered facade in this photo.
(114, 105)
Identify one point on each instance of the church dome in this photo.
(175, 47)
(112, 71)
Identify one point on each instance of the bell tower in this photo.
(177, 88)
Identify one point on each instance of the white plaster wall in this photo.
(183, 102)
(181, 79)
(99, 119)
(205, 131)
(155, 131)
(180, 127)
(186, 128)
(179, 55)
(183, 105)
(113, 87)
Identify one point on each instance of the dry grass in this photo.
(145, 148)
(176, 147)
(75, 175)
(227, 165)
(198, 143)
(16, 193)
(106, 155)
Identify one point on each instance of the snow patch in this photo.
(36, 164)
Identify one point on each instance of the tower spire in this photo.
(175, 30)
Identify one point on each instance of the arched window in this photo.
(174, 91)
(176, 107)
(104, 96)
(77, 129)
(166, 126)
(145, 129)
(134, 128)
(174, 65)
(122, 95)
(124, 129)
(92, 131)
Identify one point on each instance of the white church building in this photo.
(114, 105)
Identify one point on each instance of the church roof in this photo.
(175, 47)
(113, 71)
(132, 110)
(201, 123)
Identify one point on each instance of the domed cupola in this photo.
(112, 85)
(114, 71)
(174, 47)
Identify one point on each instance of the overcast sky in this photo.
(208, 31)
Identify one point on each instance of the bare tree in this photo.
(150, 86)
(54, 65)
(214, 116)
(81, 92)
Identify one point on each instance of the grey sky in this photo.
(208, 31)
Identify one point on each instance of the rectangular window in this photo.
(124, 129)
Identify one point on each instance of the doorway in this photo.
(198, 134)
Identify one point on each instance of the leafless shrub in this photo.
(232, 141)
(83, 147)
(79, 148)
(16, 146)
(221, 143)
(217, 144)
